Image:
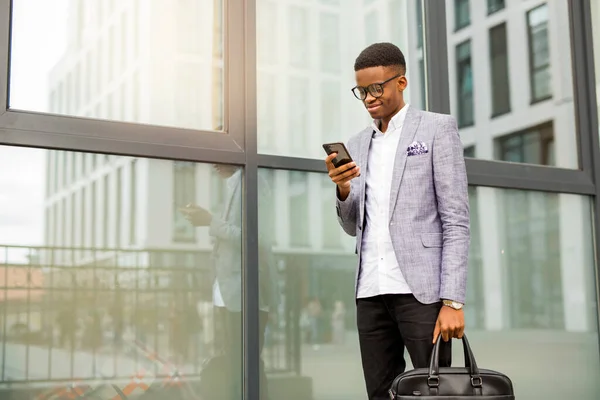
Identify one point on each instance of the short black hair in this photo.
(381, 55)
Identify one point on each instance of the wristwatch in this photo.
(453, 304)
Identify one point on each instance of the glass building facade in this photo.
(116, 115)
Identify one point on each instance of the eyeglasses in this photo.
(374, 89)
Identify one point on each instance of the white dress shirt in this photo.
(379, 269)
(232, 182)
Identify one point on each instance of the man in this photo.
(222, 374)
(405, 199)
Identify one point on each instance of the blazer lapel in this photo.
(409, 130)
(363, 158)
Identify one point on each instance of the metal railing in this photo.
(76, 314)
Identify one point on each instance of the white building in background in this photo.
(510, 75)
(306, 53)
(511, 90)
(133, 61)
(149, 62)
(146, 61)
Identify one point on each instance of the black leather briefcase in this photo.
(456, 383)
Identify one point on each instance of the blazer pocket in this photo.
(431, 239)
(417, 161)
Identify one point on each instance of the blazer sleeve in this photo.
(347, 210)
(451, 188)
(231, 229)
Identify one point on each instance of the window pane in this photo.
(494, 5)
(102, 279)
(531, 276)
(499, 70)
(465, 84)
(539, 55)
(315, 43)
(311, 334)
(82, 64)
(298, 117)
(462, 14)
(298, 17)
(531, 291)
(518, 76)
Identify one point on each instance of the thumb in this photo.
(436, 331)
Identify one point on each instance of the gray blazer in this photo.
(429, 205)
(226, 231)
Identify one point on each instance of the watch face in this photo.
(453, 304)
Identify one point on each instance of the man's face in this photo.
(392, 99)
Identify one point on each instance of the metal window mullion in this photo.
(250, 271)
(97, 145)
(504, 175)
(5, 18)
(235, 72)
(435, 43)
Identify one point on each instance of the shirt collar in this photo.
(395, 123)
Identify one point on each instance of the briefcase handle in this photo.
(434, 364)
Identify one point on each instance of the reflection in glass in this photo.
(539, 58)
(465, 84)
(530, 309)
(113, 268)
(305, 58)
(505, 86)
(462, 14)
(135, 61)
(494, 6)
(311, 334)
(499, 70)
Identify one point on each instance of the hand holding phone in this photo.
(342, 156)
(342, 169)
(197, 216)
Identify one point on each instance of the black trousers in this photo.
(387, 325)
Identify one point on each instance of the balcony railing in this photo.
(83, 314)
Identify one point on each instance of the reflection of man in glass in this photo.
(226, 231)
(405, 199)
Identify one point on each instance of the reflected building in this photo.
(505, 64)
(142, 61)
(303, 71)
(510, 107)
(305, 59)
(97, 202)
(109, 72)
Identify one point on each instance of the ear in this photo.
(401, 83)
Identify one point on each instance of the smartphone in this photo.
(343, 156)
(190, 207)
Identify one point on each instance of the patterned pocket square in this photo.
(416, 148)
